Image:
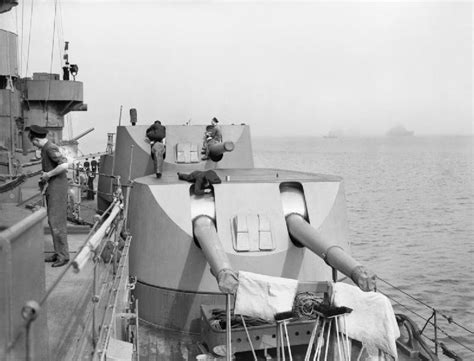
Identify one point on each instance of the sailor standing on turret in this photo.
(54, 185)
(212, 135)
(156, 133)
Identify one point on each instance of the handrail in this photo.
(433, 323)
(448, 318)
(93, 241)
(28, 309)
(94, 237)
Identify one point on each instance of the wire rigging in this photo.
(51, 61)
(448, 318)
(22, 33)
(29, 38)
(60, 32)
(428, 321)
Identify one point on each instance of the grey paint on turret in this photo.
(165, 210)
(128, 136)
(169, 265)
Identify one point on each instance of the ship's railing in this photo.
(437, 324)
(103, 309)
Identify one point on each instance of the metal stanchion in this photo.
(228, 331)
(29, 312)
(95, 299)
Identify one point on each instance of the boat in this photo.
(158, 268)
(399, 131)
(335, 133)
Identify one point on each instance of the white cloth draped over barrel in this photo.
(264, 296)
(372, 320)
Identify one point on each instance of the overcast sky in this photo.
(297, 68)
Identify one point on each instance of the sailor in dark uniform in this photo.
(54, 183)
(156, 134)
(202, 180)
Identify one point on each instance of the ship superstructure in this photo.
(44, 99)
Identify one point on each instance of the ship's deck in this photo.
(69, 301)
(69, 305)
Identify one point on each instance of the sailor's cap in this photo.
(37, 131)
(215, 120)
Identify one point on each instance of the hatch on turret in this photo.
(251, 232)
(187, 153)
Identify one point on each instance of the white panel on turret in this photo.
(326, 206)
(174, 199)
(163, 252)
(320, 198)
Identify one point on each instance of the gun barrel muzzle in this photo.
(216, 151)
(334, 255)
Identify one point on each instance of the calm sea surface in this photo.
(410, 205)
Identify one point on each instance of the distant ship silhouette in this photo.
(399, 131)
(334, 134)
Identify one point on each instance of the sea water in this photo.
(410, 206)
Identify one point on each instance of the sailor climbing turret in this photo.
(213, 146)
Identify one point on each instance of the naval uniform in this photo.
(156, 133)
(56, 199)
(201, 179)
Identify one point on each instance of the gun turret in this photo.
(305, 234)
(216, 151)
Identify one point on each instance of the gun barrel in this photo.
(333, 254)
(206, 234)
(83, 134)
(216, 151)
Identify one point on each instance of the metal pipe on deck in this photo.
(216, 151)
(333, 254)
(94, 241)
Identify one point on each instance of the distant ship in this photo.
(333, 134)
(399, 131)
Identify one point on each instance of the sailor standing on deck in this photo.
(156, 133)
(54, 184)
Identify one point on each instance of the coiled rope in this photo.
(306, 305)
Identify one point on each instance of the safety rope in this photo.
(428, 320)
(402, 305)
(448, 318)
(454, 339)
